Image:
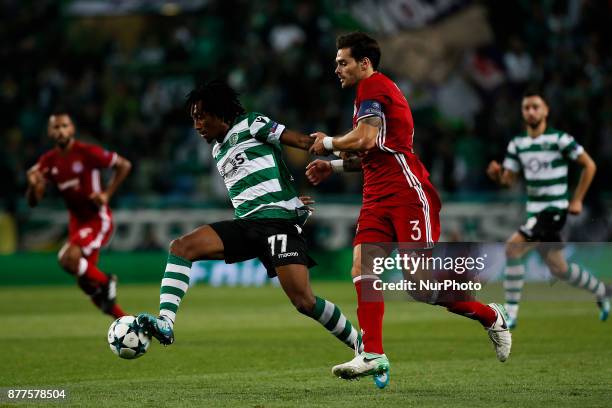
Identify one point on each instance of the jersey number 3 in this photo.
(416, 231)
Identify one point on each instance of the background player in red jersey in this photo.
(399, 202)
(74, 167)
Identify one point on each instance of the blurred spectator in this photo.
(518, 63)
(126, 77)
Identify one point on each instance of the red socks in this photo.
(116, 311)
(92, 273)
(90, 278)
(473, 310)
(370, 311)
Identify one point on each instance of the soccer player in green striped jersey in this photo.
(268, 213)
(543, 154)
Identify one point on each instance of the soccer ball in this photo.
(126, 339)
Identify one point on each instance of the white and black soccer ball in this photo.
(126, 339)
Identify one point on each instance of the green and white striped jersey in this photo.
(544, 160)
(250, 161)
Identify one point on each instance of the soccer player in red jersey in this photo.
(399, 202)
(74, 167)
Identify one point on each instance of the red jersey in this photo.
(392, 171)
(76, 173)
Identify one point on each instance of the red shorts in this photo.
(90, 235)
(413, 222)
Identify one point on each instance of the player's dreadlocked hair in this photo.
(217, 98)
(362, 46)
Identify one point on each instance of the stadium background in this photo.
(123, 69)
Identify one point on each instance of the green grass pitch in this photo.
(247, 347)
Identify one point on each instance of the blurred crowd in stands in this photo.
(125, 78)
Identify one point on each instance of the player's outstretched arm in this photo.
(296, 139)
(121, 169)
(36, 186)
(586, 177)
(501, 176)
(319, 170)
(350, 162)
(360, 139)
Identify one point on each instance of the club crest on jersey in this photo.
(54, 171)
(535, 165)
(233, 139)
(77, 167)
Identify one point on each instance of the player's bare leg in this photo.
(514, 274)
(579, 277)
(295, 281)
(100, 287)
(203, 243)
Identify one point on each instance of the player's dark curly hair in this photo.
(362, 46)
(217, 98)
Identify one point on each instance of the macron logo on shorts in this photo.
(287, 254)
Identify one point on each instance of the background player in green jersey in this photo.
(542, 154)
(268, 213)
